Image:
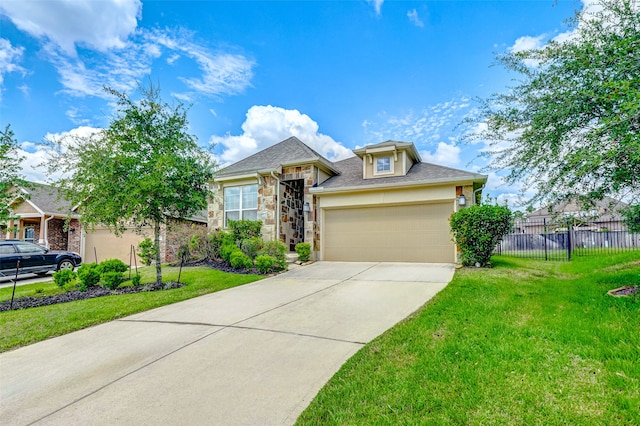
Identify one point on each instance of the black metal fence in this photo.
(561, 240)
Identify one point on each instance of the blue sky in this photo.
(337, 74)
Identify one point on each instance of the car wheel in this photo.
(65, 264)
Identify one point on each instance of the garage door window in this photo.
(240, 202)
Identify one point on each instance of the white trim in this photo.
(319, 190)
(391, 170)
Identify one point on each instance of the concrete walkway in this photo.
(251, 355)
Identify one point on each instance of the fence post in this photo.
(569, 230)
(544, 222)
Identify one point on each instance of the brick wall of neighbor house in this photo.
(176, 233)
(57, 237)
(74, 234)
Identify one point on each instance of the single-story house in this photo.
(604, 215)
(41, 215)
(383, 204)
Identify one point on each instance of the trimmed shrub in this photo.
(251, 246)
(265, 263)
(226, 251)
(113, 265)
(135, 280)
(304, 251)
(111, 280)
(239, 260)
(88, 276)
(146, 251)
(244, 229)
(277, 250)
(63, 277)
(477, 230)
(215, 240)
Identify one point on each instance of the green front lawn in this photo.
(527, 342)
(23, 327)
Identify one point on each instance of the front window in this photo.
(383, 165)
(29, 234)
(240, 202)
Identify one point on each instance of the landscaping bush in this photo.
(239, 260)
(88, 276)
(184, 253)
(135, 280)
(146, 251)
(215, 240)
(113, 265)
(277, 250)
(265, 263)
(63, 277)
(477, 229)
(227, 249)
(244, 229)
(304, 251)
(251, 246)
(111, 280)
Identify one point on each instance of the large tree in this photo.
(144, 169)
(10, 172)
(570, 125)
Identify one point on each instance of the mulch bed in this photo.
(623, 291)
(71, 296)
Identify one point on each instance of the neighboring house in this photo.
(41, 216)
(384, 204)
(603, 216)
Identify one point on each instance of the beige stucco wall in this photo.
(388, 196)
(24, 208)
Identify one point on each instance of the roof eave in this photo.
(434, 182)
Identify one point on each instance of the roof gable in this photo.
(44, 198)
(289, 151)
(350, 176)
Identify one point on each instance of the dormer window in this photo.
(384, 166)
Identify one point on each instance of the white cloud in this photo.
(35, 154)
(528, 43)
(414, 18)
(377, 5)
(9, 58)
(267, 125)
(99, 25)
(444, 155)
(425, 128)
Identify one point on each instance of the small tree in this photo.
(143, 169)
(10, 176)
(477, 229)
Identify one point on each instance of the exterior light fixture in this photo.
(306, 207)
(462, 200)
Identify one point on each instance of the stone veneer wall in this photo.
(291, 213)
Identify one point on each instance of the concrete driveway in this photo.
(251, 355)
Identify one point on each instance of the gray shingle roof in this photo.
(47, 199)
(351, 175)
(288, 151)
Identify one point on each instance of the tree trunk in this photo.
(156, 242)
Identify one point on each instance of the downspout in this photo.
(474, 194)
(277, 212)
(46, 232)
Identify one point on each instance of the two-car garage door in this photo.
(399, 233)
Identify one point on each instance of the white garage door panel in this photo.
(408, 233)
(108, 246)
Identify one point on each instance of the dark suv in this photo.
(34, 259)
